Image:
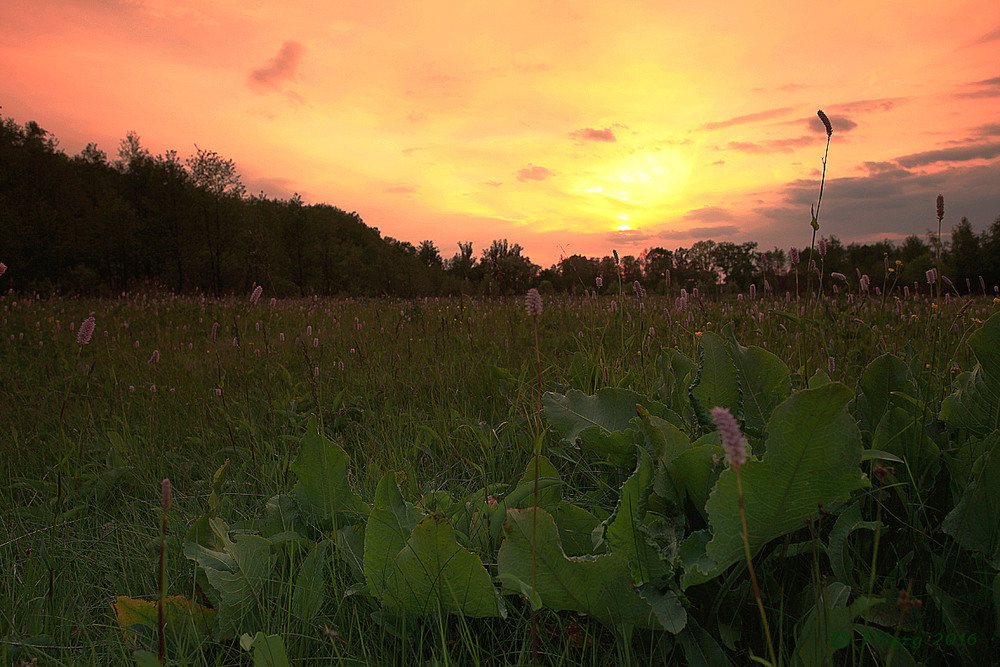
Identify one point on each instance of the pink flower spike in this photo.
(732, 438)
(86, 330)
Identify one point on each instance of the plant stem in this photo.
(753, 576)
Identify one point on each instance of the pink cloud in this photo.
(591, 134)
(533, 172)
(279, 68)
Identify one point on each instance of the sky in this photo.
(567, 127)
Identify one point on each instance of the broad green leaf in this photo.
(882, 643)
(180, 616)
(605, 423)
(696, 470)
(600, 586)
(267, 650)
(975, 404)
(648, 544)
(389, 526)
(883, 376)
(434, 574)
(676, 374)
(322, 487)
(812, 458)
(903, 434)
(310, 584)
(237, 575)
(763, 382)
(975, 520)
(837, 549)
(716, 383)
(576, 526)
(828, 626)
(549, 491)
(700, 648)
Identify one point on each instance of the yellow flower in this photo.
(899, 262)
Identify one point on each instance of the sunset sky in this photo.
(568, 127)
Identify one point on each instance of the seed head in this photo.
(86, 330)
(615, 253)
(826, 122)
(822, 247)
(533, 302)
(732, 438)
(931, 276)
(940, 207)
(794, 253)
(255, 295)
(165, 494)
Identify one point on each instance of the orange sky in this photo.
(568, 127)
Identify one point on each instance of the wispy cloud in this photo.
(957, 154)
(400, 190)
(591, 134)
(279, 68)
(709, 214)
(748, 118)
(984, 88)
(533, 172)
(714, 233)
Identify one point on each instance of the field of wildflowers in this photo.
(474, 481)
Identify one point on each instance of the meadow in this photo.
(414, 482)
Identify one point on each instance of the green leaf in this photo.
(267, 650)
(975, 404)
(975, 520)
(602, 423)
(763, 382)
(700, 648)
(812, 458)
(837, 549)
(576, 526)
(237, 575)
(647, 544)
(882, 643)
(827, 628)
(389, 527)
(904, 435)
(884, 376)
(676, 374)
(182, 617)
(322, 487)
(549, 491)
(716, 383)
(309, 591)
(600, 586)
(433, 573)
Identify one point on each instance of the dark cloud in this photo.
(991, 130)
(839, 124)
(865, 106)
(591, 134)
(957, 154)
(984, 88)
(749, 118)
(884, 169)
(533, 172)
(279, 68)
(885, 204)
(988, 37)
(709, 214)
(626, 236)
(770, 145)
(716, 232)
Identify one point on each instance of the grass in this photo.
(441, 389)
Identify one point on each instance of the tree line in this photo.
(92, 224)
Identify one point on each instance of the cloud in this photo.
(839, 124)
(718, 231)
(494, 183)
(400, 190)
(984, 88)
(987, 38)
(590, 134)
(709, 214)
(627, 236)
(957, 154)
(749, 118)
(884, 169)
(865, 106)
(771, 145)
(533, 172)
(279, 68)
